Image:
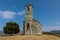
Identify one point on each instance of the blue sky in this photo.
(47, 12)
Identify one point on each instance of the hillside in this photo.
(31, 37)
(55, 31)
(1, 33)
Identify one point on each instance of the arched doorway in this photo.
(28, 26)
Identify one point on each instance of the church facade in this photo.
(30, 25)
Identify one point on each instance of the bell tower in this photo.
(28, 19)
(29, 12)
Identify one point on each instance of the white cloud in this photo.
(57, 23)
(10, 14)
(50, 28)
(7, 14)
(54, 26)
(22, 13)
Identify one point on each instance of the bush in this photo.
(11, 28)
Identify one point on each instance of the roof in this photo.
(37, 21)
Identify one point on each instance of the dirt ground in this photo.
(30, 37)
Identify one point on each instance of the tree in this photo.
(11, 28)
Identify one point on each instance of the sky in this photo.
(47, 12)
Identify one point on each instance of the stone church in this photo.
(30, 25)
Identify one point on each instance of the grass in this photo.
(30, 37)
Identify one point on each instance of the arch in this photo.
(28, 26)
